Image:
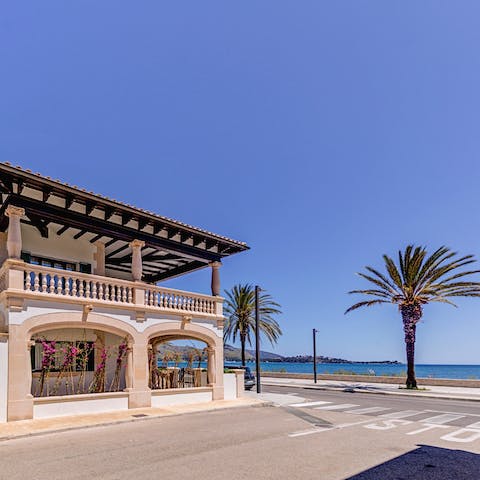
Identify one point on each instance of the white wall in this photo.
(162, 400)
(78, 407)
(229, 386)
(60, 247)
(3, 378)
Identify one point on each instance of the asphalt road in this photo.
(314, 435)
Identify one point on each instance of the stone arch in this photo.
(189, 331)
(75, 320)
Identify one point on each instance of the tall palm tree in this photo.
(240, 312)
(417, 280)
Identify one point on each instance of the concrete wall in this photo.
(79, 404)
(163, 398)
(230, 386)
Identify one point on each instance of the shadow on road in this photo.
(426, 463)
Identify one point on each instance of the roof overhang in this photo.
(171, 248)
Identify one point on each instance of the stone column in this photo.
(210, 366)
(216, 278)
(20, 399)
(218, 393)
(3, 247)
(140, 394)
(137, 246)
(129, 368)
(14, 236)
(100, 259)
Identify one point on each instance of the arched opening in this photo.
(74, 361)
(177, 361)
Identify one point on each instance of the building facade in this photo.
(82, 314)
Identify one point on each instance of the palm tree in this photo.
(240, 312)
(417, 280)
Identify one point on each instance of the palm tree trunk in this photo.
(411, 315)
(242, 343)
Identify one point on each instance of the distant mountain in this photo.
(231, 354)
(234, 354)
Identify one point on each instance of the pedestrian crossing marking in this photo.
(426, 429)
(402, 414)
(387, 421)
(338, 407)
(442, 419)
(308, 404)
(362, 411)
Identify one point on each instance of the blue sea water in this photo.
(421, 370)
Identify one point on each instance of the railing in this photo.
(62, 284)
(72, 284)
(174, 300)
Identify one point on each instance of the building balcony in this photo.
(20, 281)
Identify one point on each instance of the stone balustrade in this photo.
(57, 284)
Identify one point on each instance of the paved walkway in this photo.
(456, 393)
(48, 425)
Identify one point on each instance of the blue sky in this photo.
(323, 133)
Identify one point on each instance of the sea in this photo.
(421, 370)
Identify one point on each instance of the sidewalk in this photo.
(25, 428)
(451, 393)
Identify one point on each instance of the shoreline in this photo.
(396, 380)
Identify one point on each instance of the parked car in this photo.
(249, 376)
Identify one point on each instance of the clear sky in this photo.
(323, 133)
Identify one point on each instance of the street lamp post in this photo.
(257, 337)
(315, 355)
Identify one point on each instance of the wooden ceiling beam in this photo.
(62, 230)
(89, 207)
(96, 238)
(175, 272)
(142, 223)
(79, 234)
(38, 223)
(111, 242)
(69, 199)
(118, 250)
(158, 227)
(20, 186)
(95, 225)
(126, 217)
(46, 192)
(108, 212)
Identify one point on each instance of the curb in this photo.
(257, 404)
(355, 390)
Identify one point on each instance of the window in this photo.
(87, 355)
(55, 263)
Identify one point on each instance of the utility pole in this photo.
(257, 337)
(314, 355)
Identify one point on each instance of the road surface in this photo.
(314, 435)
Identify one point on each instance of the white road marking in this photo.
(442, 419)
(455, 436)
(426, 428)
(361, 411)
(402, 414)
(324, 429)
(337, 407)
(308, 432)
(474, 426)
(388, 424)
(307, 404)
